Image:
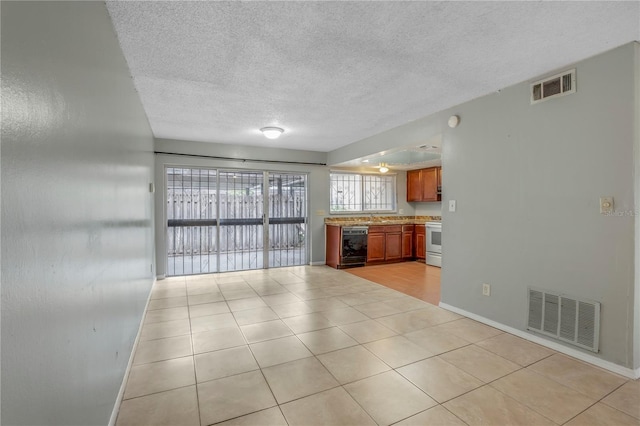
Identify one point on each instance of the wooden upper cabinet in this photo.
(422, 185)
(430, 184)
(414, 185)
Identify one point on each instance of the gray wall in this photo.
(636, 180)
(318, 183)
(428, 209)
(527, 180)
(77, 238)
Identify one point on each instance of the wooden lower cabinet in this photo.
(420, 242)
(332, 245)
(407, 241)
(393, 243)
(385, 243)
(375, 247)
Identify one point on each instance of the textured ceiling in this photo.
(332, 73)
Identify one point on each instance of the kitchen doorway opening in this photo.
(234, 220)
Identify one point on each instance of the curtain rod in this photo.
(244, 160)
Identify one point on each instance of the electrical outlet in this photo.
(401, 211)
(486, 289)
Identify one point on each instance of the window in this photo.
(355, 192)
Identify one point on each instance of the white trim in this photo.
(160, 277)
(116, 407)
(635, 312)
(599, 362)
(318, 263)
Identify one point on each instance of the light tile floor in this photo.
(314, 345)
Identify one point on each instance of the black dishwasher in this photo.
(354, 246)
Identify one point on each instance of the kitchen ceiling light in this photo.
(272, 132)
(383, 168)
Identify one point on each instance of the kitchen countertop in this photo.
(380, 220)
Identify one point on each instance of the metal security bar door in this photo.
(217, 220)
(241, 220)
(287, 219)
(191, 221)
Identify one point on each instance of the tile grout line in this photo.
(485, 384)
(528, 406)
(601, 401)
(358, 344)
(263, 376)
(488, 384)
(268, 385)
(193, 355)
(314, 355)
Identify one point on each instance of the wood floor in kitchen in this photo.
(413, 278)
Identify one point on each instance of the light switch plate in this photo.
(606, 205)
(452, 205)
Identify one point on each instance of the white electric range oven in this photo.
(434, 243)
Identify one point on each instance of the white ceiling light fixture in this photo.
(272, 132)
(383, 168)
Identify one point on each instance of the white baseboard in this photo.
(318, 263)
(598, 362)
(116, 407)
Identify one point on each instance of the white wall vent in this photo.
(569, 319)
(554, 86)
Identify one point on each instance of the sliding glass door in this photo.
(241, 221)
(287, 219)
(225, 220)
(192, 212)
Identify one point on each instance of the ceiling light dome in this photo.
(383, 168)
(272, 132)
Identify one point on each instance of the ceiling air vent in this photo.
(554, 86)
(569, 319)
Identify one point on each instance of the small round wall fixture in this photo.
(272, 132)
(453, 122)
